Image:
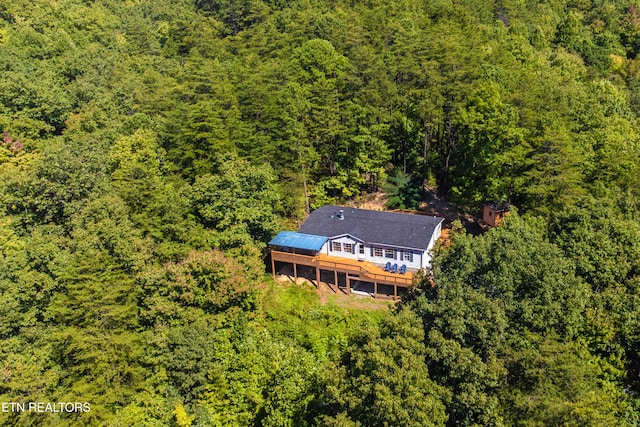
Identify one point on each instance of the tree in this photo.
(203, 283)
(602, 244)
(464, 334)
(405, 192)
(208, 121)
(236, 15)
(515, 266)
(239, 202)
(63, 177)
(93, 336)
(136, 162)
(382, 379)
(320, 70)
(556, 383)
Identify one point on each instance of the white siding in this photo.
(426, 260)
(437, 232)
(325, 248)
(342, 240)
(416, 261)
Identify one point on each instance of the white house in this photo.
(375, 236)
(346, 236)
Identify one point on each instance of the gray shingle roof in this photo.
(373, 227)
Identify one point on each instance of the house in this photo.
(494, 213)
(358, 250)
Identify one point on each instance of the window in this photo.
(348, 248)
(389, 253)
(336, 246)
(361, 249)
(408, 256)
(377, 252)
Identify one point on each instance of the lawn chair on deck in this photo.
(387, 267)
(394, 269)
(403, 269)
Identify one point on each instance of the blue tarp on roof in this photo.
(291, 239)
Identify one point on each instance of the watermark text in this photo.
(41, 407)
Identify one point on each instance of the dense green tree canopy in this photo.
(150, 149)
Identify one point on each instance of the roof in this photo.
(498, 207)
(298, 240)
(373, 227)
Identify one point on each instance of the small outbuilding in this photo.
(494, 213)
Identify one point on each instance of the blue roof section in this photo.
(292, 239)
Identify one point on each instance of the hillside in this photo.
(151, 148)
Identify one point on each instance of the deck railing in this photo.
(334, 264)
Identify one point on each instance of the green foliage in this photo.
(137, 162)
(529, 277)
(63, 177)
(236, 15)
(603, 245)
(557, 383)
(239, 201)
(150, 149)
(383, 379)
(464, 331)
(203, 283)
(323, 329)
(405, 192)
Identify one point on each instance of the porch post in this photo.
(335, 276)
(348, 285)
(273, 267)
(295, 271)
(317, 277)
(375, 289)
(395, 291)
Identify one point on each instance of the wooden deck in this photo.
(362, 271)
(367, 271)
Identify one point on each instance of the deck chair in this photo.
(387, 267)
(394, 269)
(403, 269)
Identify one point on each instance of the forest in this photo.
(151, 148)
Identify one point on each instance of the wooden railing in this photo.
(357, 267)
(289, 257)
